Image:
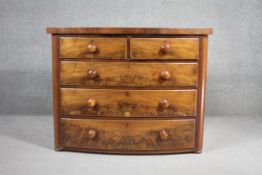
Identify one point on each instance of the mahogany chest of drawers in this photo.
(129, 90)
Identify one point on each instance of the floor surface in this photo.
(232, 145)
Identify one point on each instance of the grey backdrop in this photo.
(234, 67)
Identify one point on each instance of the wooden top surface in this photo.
(130, 31)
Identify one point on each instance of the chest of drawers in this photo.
(129, 90)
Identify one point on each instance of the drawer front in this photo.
(84, 47)
(128, 74)
(128, 134)
(128, 103)
(164, 48)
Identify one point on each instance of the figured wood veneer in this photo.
(128, 74)
(164, 48)
(128, 134)
(129, 90)
(137, 103)
(83, 47)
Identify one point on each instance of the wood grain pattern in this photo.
(129, 90)
(56, 94)
(201, 95)
(152, 48)
(128, 74)
(128, 103)
(128, 134)
(106, 48)
(130, 31)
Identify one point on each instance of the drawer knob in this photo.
(165, 75)
(91, 102)
(92, 74)
(165, 48)
(164, 103)
(92, 133)
(163, 135)
(91, 48)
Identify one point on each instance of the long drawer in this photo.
(131, 74)
(128, 103)
(128, 134)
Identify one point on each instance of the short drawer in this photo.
(164, 48)
(128, 134)
(130, 74)
(128, 103)
(97, 48)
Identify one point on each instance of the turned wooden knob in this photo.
(91, 48)
(92, 74)
(165, 48)
(91, 102)
(165, 75)
(164, 103)
(92, 133)
(163, 135)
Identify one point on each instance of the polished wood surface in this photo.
(93, 48)
(129, 90)
(56, 93)
(128, 103)
(128, 74)
(129, 135)
(201, 95)
(130, 31)
(164, 48)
